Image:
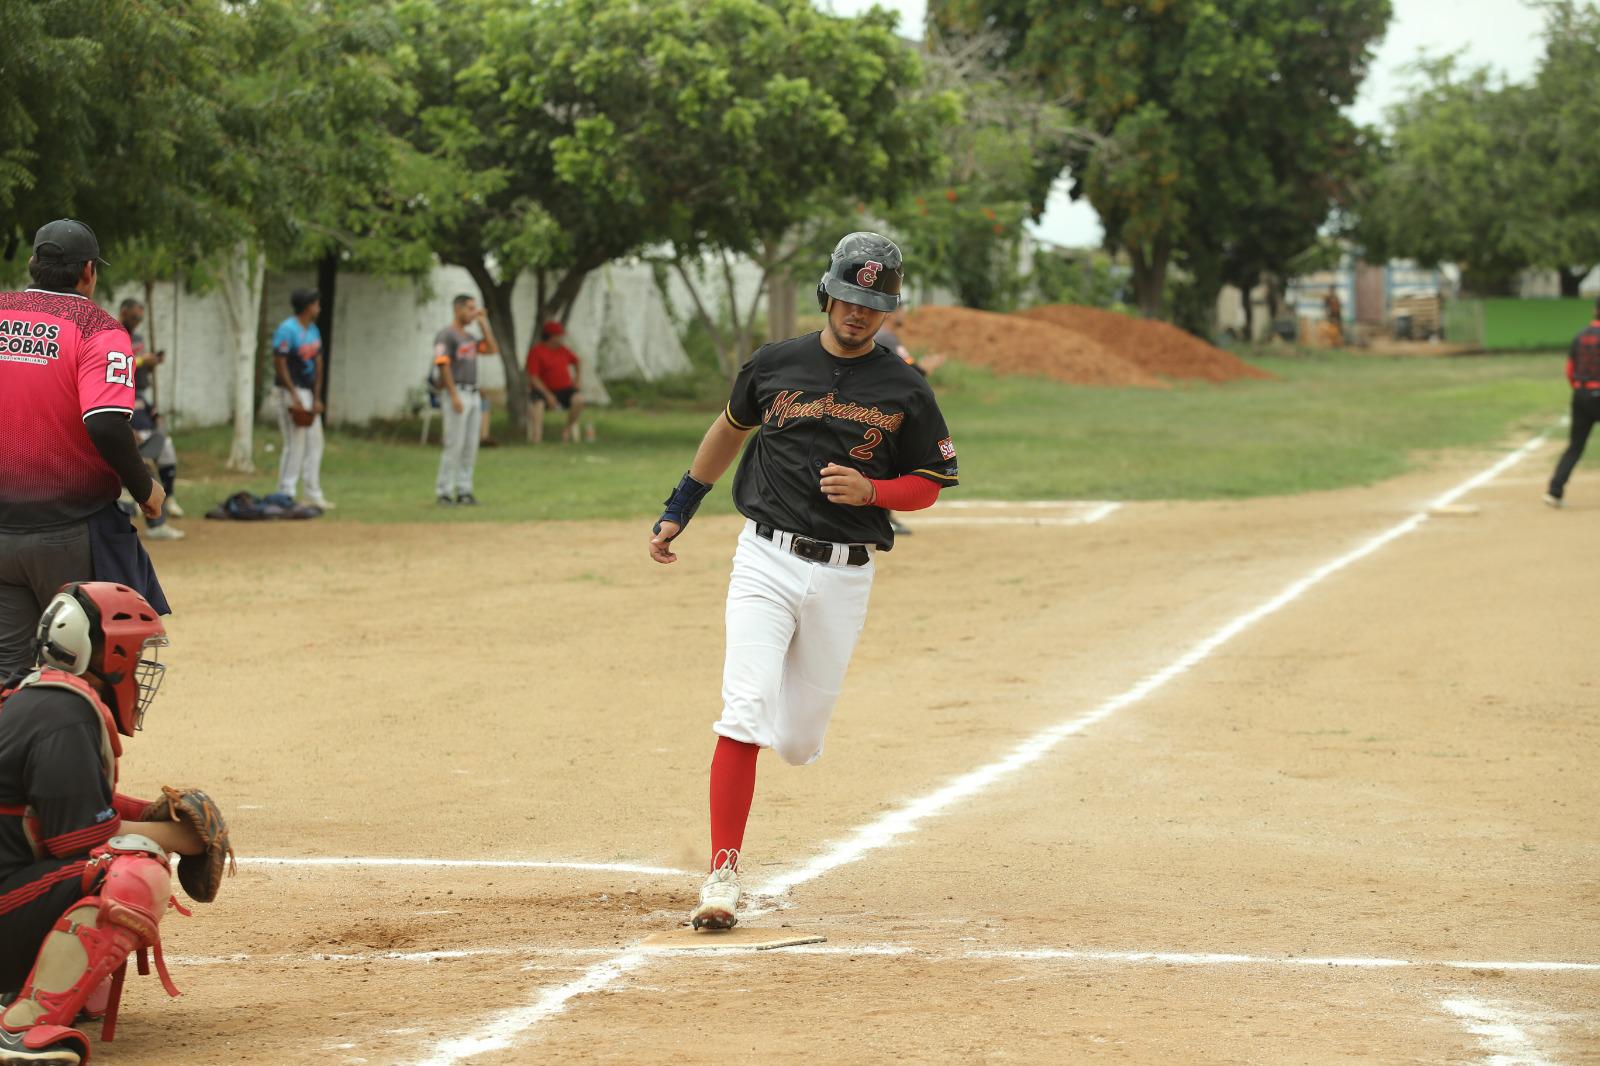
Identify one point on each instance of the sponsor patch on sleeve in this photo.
(947, 448)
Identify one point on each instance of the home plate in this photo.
(751, 938)
(1455, 509)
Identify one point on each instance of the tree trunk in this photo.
(1572, 279)
(781, 321)
(150, 332)
(496, 297)
(744, 320)
(1249, 317)
(713, 330)
(1150, 277)
(327, 282)
(243, 290)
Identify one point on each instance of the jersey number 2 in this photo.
(119, 369)
(864, 450)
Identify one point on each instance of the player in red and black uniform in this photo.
(66, 397)
(82, 882)
(839, 431)
(1583, 374)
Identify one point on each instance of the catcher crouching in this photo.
(84, 876)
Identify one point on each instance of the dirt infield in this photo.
(1360, 828)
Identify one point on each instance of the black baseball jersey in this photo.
(810, 408)
(1583, 359)
(50, 762)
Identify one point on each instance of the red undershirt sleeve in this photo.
(909, 492)
(130, 809)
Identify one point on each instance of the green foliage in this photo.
(1088, 279)
(182, 129)
(1493, 176)
(1559, 159)
(1445, 190)
(964, 230)
(1214, 132)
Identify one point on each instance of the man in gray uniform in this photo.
(455, 375)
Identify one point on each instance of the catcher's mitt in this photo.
(302, 416)
(200, 875)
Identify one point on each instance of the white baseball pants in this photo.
(460, 454)
(302, 448)
(792, 626)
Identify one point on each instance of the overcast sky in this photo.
(1503, 34)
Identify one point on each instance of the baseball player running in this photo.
(84, 880)
(1583, 374)
(843, 432)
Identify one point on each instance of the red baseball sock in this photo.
(733, 786)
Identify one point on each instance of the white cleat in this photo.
(719, 896)
(324, 503)
(1551, 500)
(173, 510)
(164, 532)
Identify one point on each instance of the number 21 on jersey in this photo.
(119, 368)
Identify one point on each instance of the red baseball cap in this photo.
(553, 328)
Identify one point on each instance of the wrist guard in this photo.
(683, 503)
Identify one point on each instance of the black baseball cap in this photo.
(66, 240)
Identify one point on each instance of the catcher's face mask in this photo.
(147, 676)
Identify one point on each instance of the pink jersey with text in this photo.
(62, 358)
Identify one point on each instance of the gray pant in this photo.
(460, 453)
(33, 567)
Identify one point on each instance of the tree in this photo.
(964, 229)
(1180, 98)
(1446, 186)
(1555, 154)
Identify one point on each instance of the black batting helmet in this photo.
(865, 270)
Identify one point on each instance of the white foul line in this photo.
(1500, 1031)
(1356, 962)
(505, 1027)
(905, 819)
(1159, 958)
(484, 864)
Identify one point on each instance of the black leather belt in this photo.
(816, 551)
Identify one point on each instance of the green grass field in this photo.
(1330, 419)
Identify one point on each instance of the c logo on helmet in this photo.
(867, 276)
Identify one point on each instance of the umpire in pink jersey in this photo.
(66, 396)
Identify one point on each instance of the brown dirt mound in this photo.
(1155, 347)
(1010, 344)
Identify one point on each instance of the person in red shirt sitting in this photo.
(553, 373)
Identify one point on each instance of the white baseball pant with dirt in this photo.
(302, 447)
(792, 626)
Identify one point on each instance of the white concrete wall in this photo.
(197, 377)
(383, 338)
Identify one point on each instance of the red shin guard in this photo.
(123, 918)
(733, 786)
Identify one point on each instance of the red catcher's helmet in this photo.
(104, 629)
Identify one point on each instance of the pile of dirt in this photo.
(1012, 344)
(1155, 347)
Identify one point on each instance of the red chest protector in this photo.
(110, 739)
